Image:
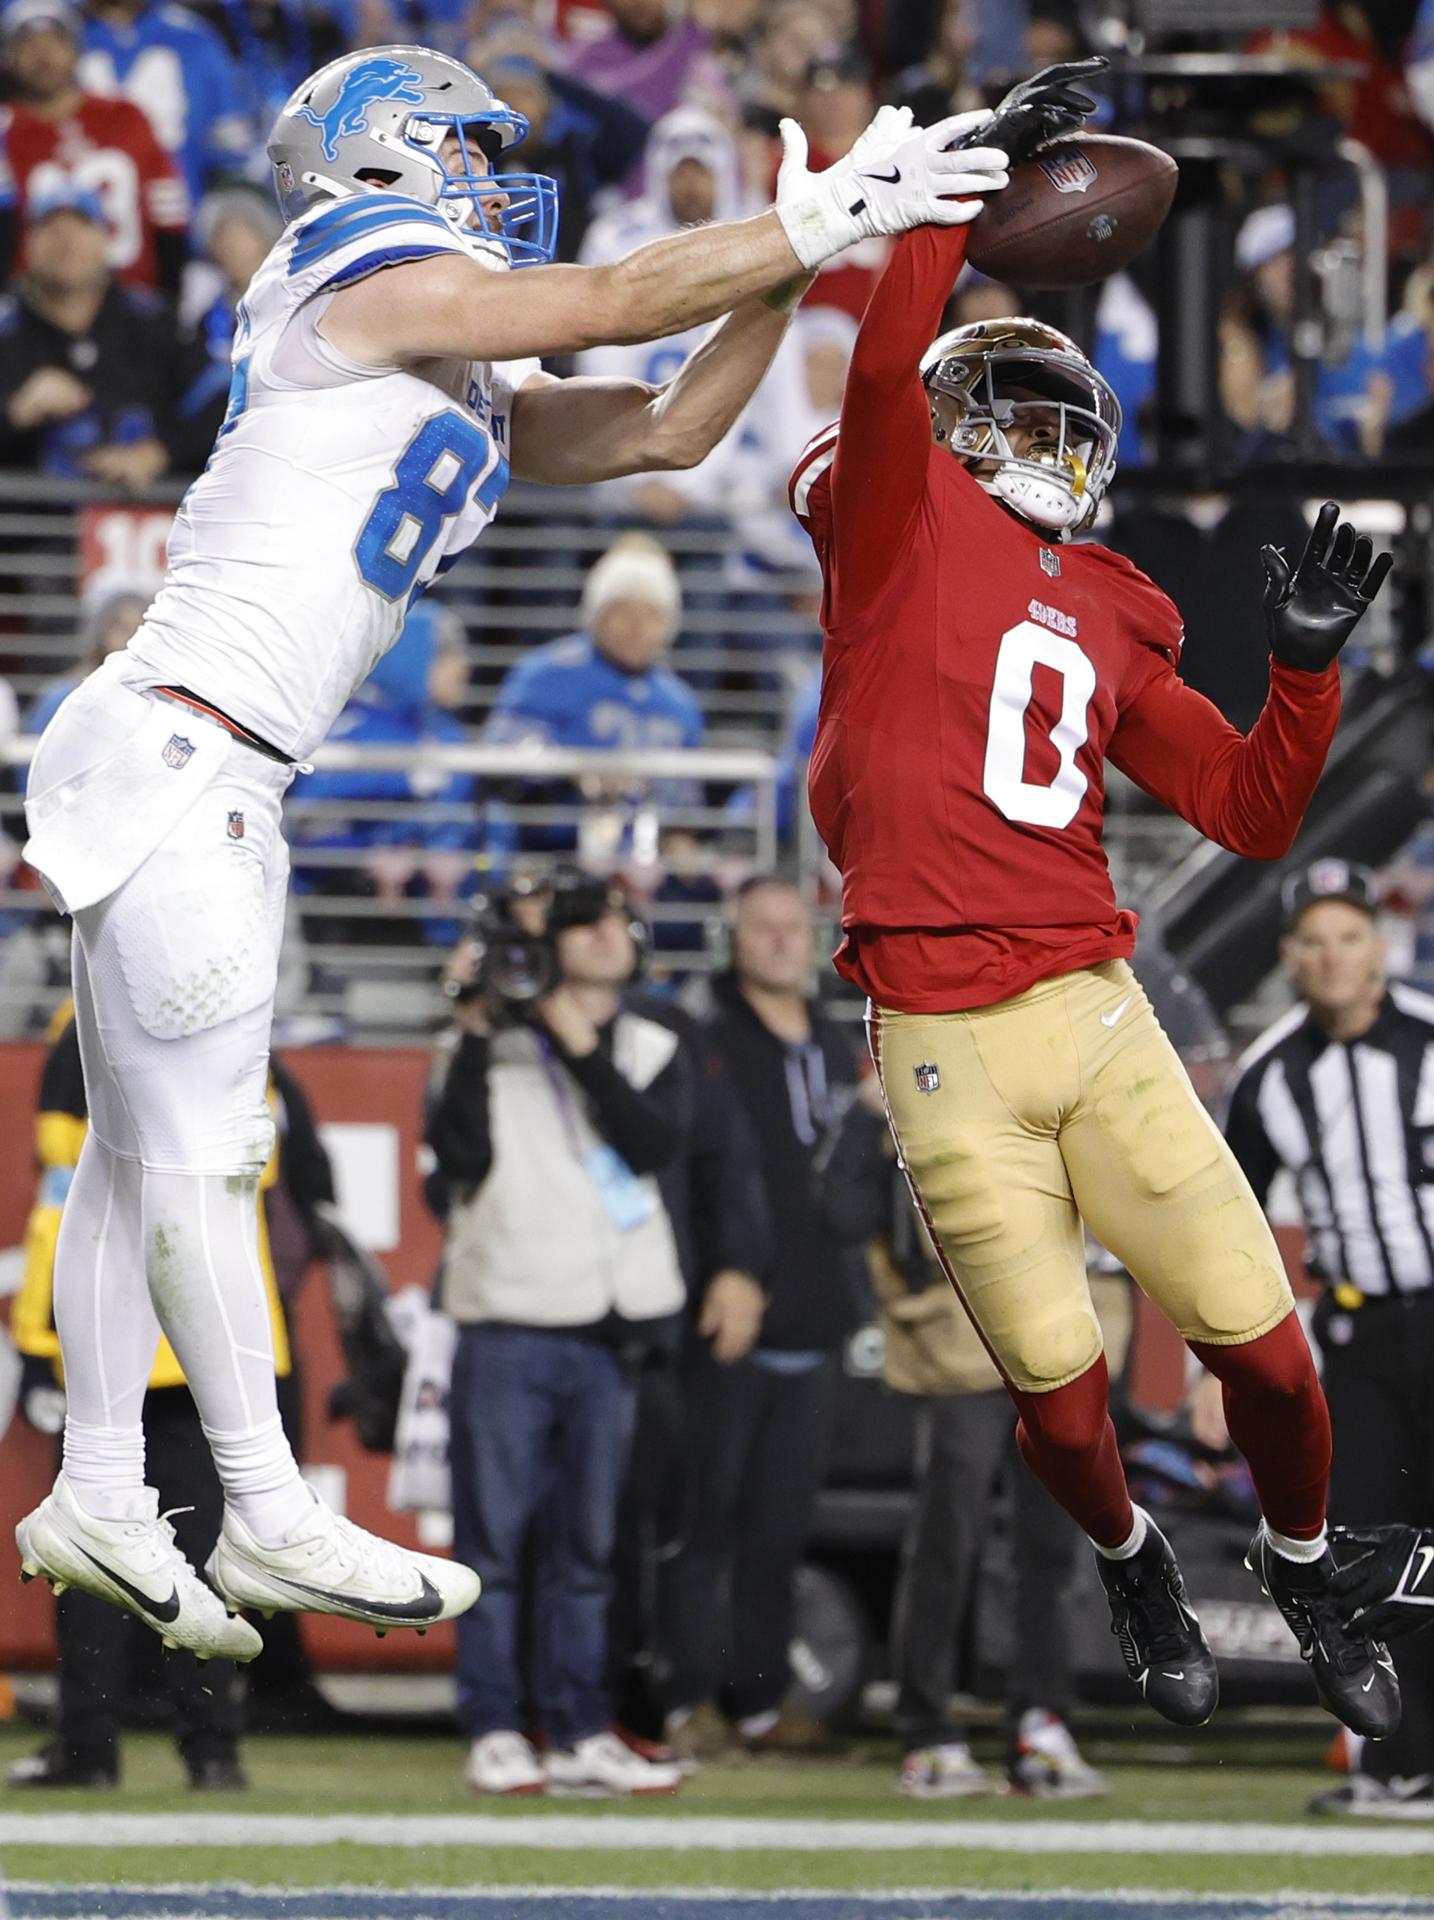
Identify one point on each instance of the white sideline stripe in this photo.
(1107, 1902)
(623, 1833)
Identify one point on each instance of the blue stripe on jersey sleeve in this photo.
(381, 257)
(341, 225)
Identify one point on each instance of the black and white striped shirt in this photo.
(1354, 1123)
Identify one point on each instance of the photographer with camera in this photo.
(557, 1112)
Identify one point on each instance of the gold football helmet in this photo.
(1002, 370)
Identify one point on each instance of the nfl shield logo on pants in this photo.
(928, 1077)
(236, 825)
(177, 751)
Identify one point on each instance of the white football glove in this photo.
(895, 176)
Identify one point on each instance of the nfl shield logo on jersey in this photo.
(236, 825)
(177, 751)
(928, 1077)
(1050, 563)
(1069, 171)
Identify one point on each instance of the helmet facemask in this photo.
(1056, 484)
(525, 228)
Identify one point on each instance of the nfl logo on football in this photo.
(928, 1077)
(177, 751)
(1069, 171)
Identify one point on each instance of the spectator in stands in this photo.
(236, 226)
(94, 1636)
(966, 1448)
(834, 104)
(589, 142)
(690, 178)
(424, 854)
(561, 1268)
(794, 34)
(111, 607)
(279, 43)
(1358, 391)
(605, 686)
(56, 134)
(759, 1428)
(800, 395)
(654, 59)
(95, 378)
(179, 71)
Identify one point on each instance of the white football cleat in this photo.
(328, 1565)
(504, 1762)
(134, 1564)
(604, 1764)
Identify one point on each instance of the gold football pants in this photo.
(1015, 1122)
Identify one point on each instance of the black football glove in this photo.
(1310, 613)
(1388, 1589)
(1038, 110)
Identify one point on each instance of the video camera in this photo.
(516, 928)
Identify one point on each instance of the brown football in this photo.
(1081, 208)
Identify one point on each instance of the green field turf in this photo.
(1238, 1777)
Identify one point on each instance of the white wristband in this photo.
(819, 225)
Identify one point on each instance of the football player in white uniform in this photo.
(385, 385)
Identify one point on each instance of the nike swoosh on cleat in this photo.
(166, 1611)
(1368, 1684)
(1174, 1676)
(428, 1606)
(1109, 1020)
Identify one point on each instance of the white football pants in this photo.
(174, 980)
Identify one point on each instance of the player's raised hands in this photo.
(897, 176)
(1312, 610)
(1385, 1590)
(1042, 108)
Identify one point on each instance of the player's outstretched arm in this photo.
(573, 432)
(1249, 792)
(1387, 1589)
(453, 307)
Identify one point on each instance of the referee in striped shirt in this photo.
(1341, 1093)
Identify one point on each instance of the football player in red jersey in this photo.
(979, 670)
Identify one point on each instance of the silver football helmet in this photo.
(375, 122)
(1002, 370)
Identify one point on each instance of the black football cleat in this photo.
(1353, 1675)
(1151, 1616)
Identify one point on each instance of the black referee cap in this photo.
(1326, 880)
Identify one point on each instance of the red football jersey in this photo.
(110, 148)
(976, 677)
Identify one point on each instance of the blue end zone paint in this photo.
(219, 1903)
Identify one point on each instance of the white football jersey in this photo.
(335, 492)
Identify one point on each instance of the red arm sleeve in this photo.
(1248, 792)
(879, 474)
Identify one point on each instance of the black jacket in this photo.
(714, 1193)
(816, 1284)
(148, 379)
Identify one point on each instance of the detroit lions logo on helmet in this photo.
(370, 81)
